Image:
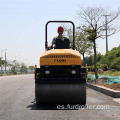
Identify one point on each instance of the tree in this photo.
(23, 68)
(92, 37)
(115, 64)
(99, 56)
(110, 56)
(31, 67)
(9, 65)
(94, 24)
(82, 44)
(89, 60)
(2, 62)
(15, 65)
(68, 32)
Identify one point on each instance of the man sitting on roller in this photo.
(60, 36)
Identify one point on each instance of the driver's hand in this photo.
(49, 47)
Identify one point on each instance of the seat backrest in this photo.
(62, 44)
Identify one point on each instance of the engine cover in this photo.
(60, 57)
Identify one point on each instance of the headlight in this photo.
(73, 71)
(47, 72)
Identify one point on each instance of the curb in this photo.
(107, 91)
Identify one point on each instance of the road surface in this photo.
(17, 102)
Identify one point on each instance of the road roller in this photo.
(60, 77)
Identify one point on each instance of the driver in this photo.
(60, 36)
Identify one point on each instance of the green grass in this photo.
(108, 72)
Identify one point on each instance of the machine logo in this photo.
(59, 60)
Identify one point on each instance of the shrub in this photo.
(89, 68)
(98, 63)
(92, 68)
(15, 72)
(115, 64)
(104, 67)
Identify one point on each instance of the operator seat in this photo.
(62, 44)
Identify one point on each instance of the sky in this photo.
(22, 25)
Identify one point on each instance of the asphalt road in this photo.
(17, 102)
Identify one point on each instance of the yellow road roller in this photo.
(60, 78)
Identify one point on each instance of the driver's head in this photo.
(60, 30)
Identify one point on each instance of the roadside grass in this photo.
(108, 72)
(14, 74)
(8, 74)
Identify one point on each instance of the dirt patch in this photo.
(102, 82)
(115, 86)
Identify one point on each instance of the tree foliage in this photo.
(94, 24)
(109, 57)
(2, 62)
(31, 67)
(115, 64)
(110, 60)
(14, 67)
(81, 43)
(23, 68)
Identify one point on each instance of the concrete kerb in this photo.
(107, 91)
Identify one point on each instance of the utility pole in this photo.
(5, 61)
(106, 32)
(1, 58)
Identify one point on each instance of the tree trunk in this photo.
(96, 76)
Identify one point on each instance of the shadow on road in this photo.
(34, 106)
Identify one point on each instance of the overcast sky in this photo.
(22, 25)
